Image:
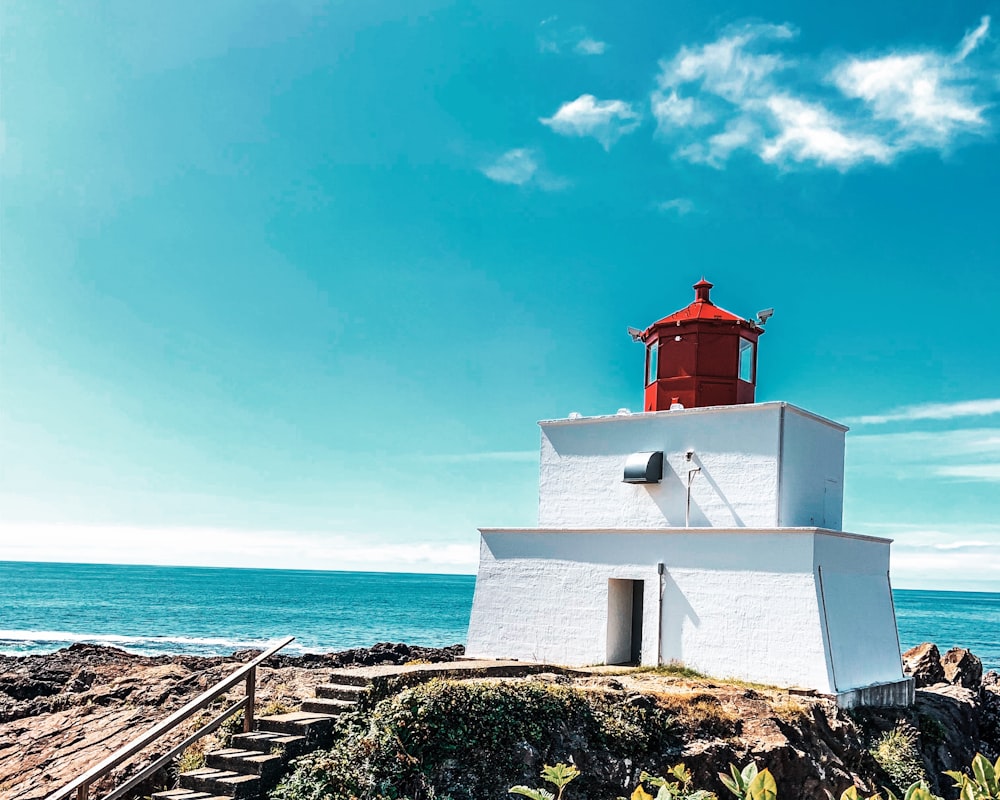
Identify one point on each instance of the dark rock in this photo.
(962, 668)
(923, 662)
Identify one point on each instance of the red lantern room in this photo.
(700, 356)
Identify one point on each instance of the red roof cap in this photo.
(701, 308)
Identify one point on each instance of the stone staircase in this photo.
(256, 761)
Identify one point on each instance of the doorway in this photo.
(624, 621)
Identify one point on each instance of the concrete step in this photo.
(268, 765)
(187, 794)
(323, 705)
(316, 728)
(349, 678)
(339, 691)
(288, 745)
(222, 782)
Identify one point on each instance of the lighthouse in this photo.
(705, 530)
(701, 355)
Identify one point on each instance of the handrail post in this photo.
(81, 793)
(251, 691)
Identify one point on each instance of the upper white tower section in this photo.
(767, 465)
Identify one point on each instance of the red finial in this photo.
(701, 290)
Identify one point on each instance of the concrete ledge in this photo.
(893, 693)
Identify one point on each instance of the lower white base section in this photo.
(897, 693)
(787, 607)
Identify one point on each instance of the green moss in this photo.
(473, 740)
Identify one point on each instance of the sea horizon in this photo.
(908, 588)
(196, 610)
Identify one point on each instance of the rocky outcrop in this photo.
(923, 662)
(811, 746)
(62, 712)
(962, 668)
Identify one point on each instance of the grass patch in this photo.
(193, 757)
(702, 715)
(675, 669)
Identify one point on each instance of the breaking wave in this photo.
(26, 642)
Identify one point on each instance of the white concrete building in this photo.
(708, 536)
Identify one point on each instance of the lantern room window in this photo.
(746, 360)
(652, 362)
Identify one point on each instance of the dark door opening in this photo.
(636, 649)
(624, 621)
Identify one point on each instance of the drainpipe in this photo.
(692, 471)
(659, 618)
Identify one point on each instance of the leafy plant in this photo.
(749, 783)
(676, 785)
(559, 775)
(984, 783)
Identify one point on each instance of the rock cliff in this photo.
(62, 712)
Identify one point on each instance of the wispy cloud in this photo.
(962, 408)
(959, 556)
(521, 167)
(516, 166)
(496, 456)
(989, 473)
(926, 97)
(808, 132)
(228, 547)
(679, 206)
(742, 93)
(554, 37)
(973, 39)
(605, 120)
(964, 455)
(589, 47)
(730, 67)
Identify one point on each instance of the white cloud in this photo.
(741, 93)
(739, 133)
(515, 166)
(973, 39)
(225, 547)
(555, 38)
(521, 167)
(957, 557)
(502, 456)
(589, 47)
(808, 132)
(679, 205)
(923, 94)
(671, 111)
(604, 120)
(957, 568)
(972, 472)
(727, 67)
(962, 408)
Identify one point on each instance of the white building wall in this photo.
(812, 471)
(853, 578)
(736, 603)
(737, 448)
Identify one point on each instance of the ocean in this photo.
(209, 611)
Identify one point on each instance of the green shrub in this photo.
(470, 740)
(897, 753)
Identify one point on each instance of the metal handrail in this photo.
(81, 784)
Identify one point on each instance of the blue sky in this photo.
(288, 284)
